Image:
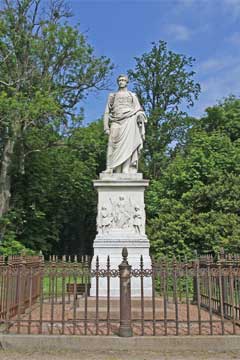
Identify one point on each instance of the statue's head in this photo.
(122, 80)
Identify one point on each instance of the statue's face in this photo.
(122, 82)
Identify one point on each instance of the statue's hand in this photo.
(140, 119)
(107, 131)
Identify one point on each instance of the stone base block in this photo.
(115, 256)
(121, 223)
(114, 287)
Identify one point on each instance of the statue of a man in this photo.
(124, 122)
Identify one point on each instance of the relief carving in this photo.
(105, 220)
(121, 214)
(137, 219)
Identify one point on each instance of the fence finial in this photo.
(222, 253)
(124, 254)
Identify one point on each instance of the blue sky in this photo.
(208, 30)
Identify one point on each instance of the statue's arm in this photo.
(106, 115)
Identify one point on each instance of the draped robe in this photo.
(122, 118)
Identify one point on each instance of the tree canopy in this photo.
(54, 203)
(47, 68)
(195, 205)
(164, 83)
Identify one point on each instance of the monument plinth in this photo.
(121, 210)
(121, 223)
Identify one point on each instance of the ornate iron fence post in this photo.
(195, 281)
(225, 282)
(125, 329)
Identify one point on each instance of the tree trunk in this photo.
(5, 177)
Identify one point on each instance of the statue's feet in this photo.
(108, 171)
(130, 170)
(133, 169)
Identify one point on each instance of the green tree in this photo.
(47, 68)
(195, 205)
(54, 203)
(164, 82)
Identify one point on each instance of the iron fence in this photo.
(19, 284)
(197, 297)
(220, 290)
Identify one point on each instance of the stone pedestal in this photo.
(121, 223)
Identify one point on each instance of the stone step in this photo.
(114, 310)
(115, 315)
(135, 301)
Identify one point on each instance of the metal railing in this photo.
(19, 284)
(197, 297)
(220, 290)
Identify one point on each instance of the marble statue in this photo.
(121, 209)
(124, 122)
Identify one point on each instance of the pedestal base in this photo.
(121, 223)
(112, 247)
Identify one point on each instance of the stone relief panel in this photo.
(104, 220)
(121, 213)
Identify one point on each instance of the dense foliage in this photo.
(54, 204)
(47, 68)
(195, 205)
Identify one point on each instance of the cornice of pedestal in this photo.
(120, 176)
(119, 179)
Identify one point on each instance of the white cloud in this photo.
(178, 32)
(233, 3)
(223, 85)
(233, 7)
(211, 64)
(186, 3)
(217, 64)
(234, 38)
(218, 86)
